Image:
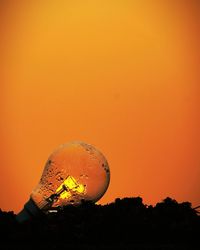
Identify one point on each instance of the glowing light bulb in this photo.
(75, 172)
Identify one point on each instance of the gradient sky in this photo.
(122, 75)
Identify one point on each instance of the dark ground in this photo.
(124, 224)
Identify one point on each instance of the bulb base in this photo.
(29, 212)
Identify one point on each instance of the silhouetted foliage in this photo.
(126, 223)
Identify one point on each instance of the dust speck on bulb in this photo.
(73, 173)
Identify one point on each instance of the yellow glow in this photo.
(70, 186)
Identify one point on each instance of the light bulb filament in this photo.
(70, 187)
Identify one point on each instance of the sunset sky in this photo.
(121, 75)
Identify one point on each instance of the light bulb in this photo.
(73, 173)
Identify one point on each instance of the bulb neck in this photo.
(29, 212)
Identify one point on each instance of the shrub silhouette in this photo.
(124, 222)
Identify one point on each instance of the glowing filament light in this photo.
(69, 186)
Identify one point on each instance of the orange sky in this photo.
(122, 75)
